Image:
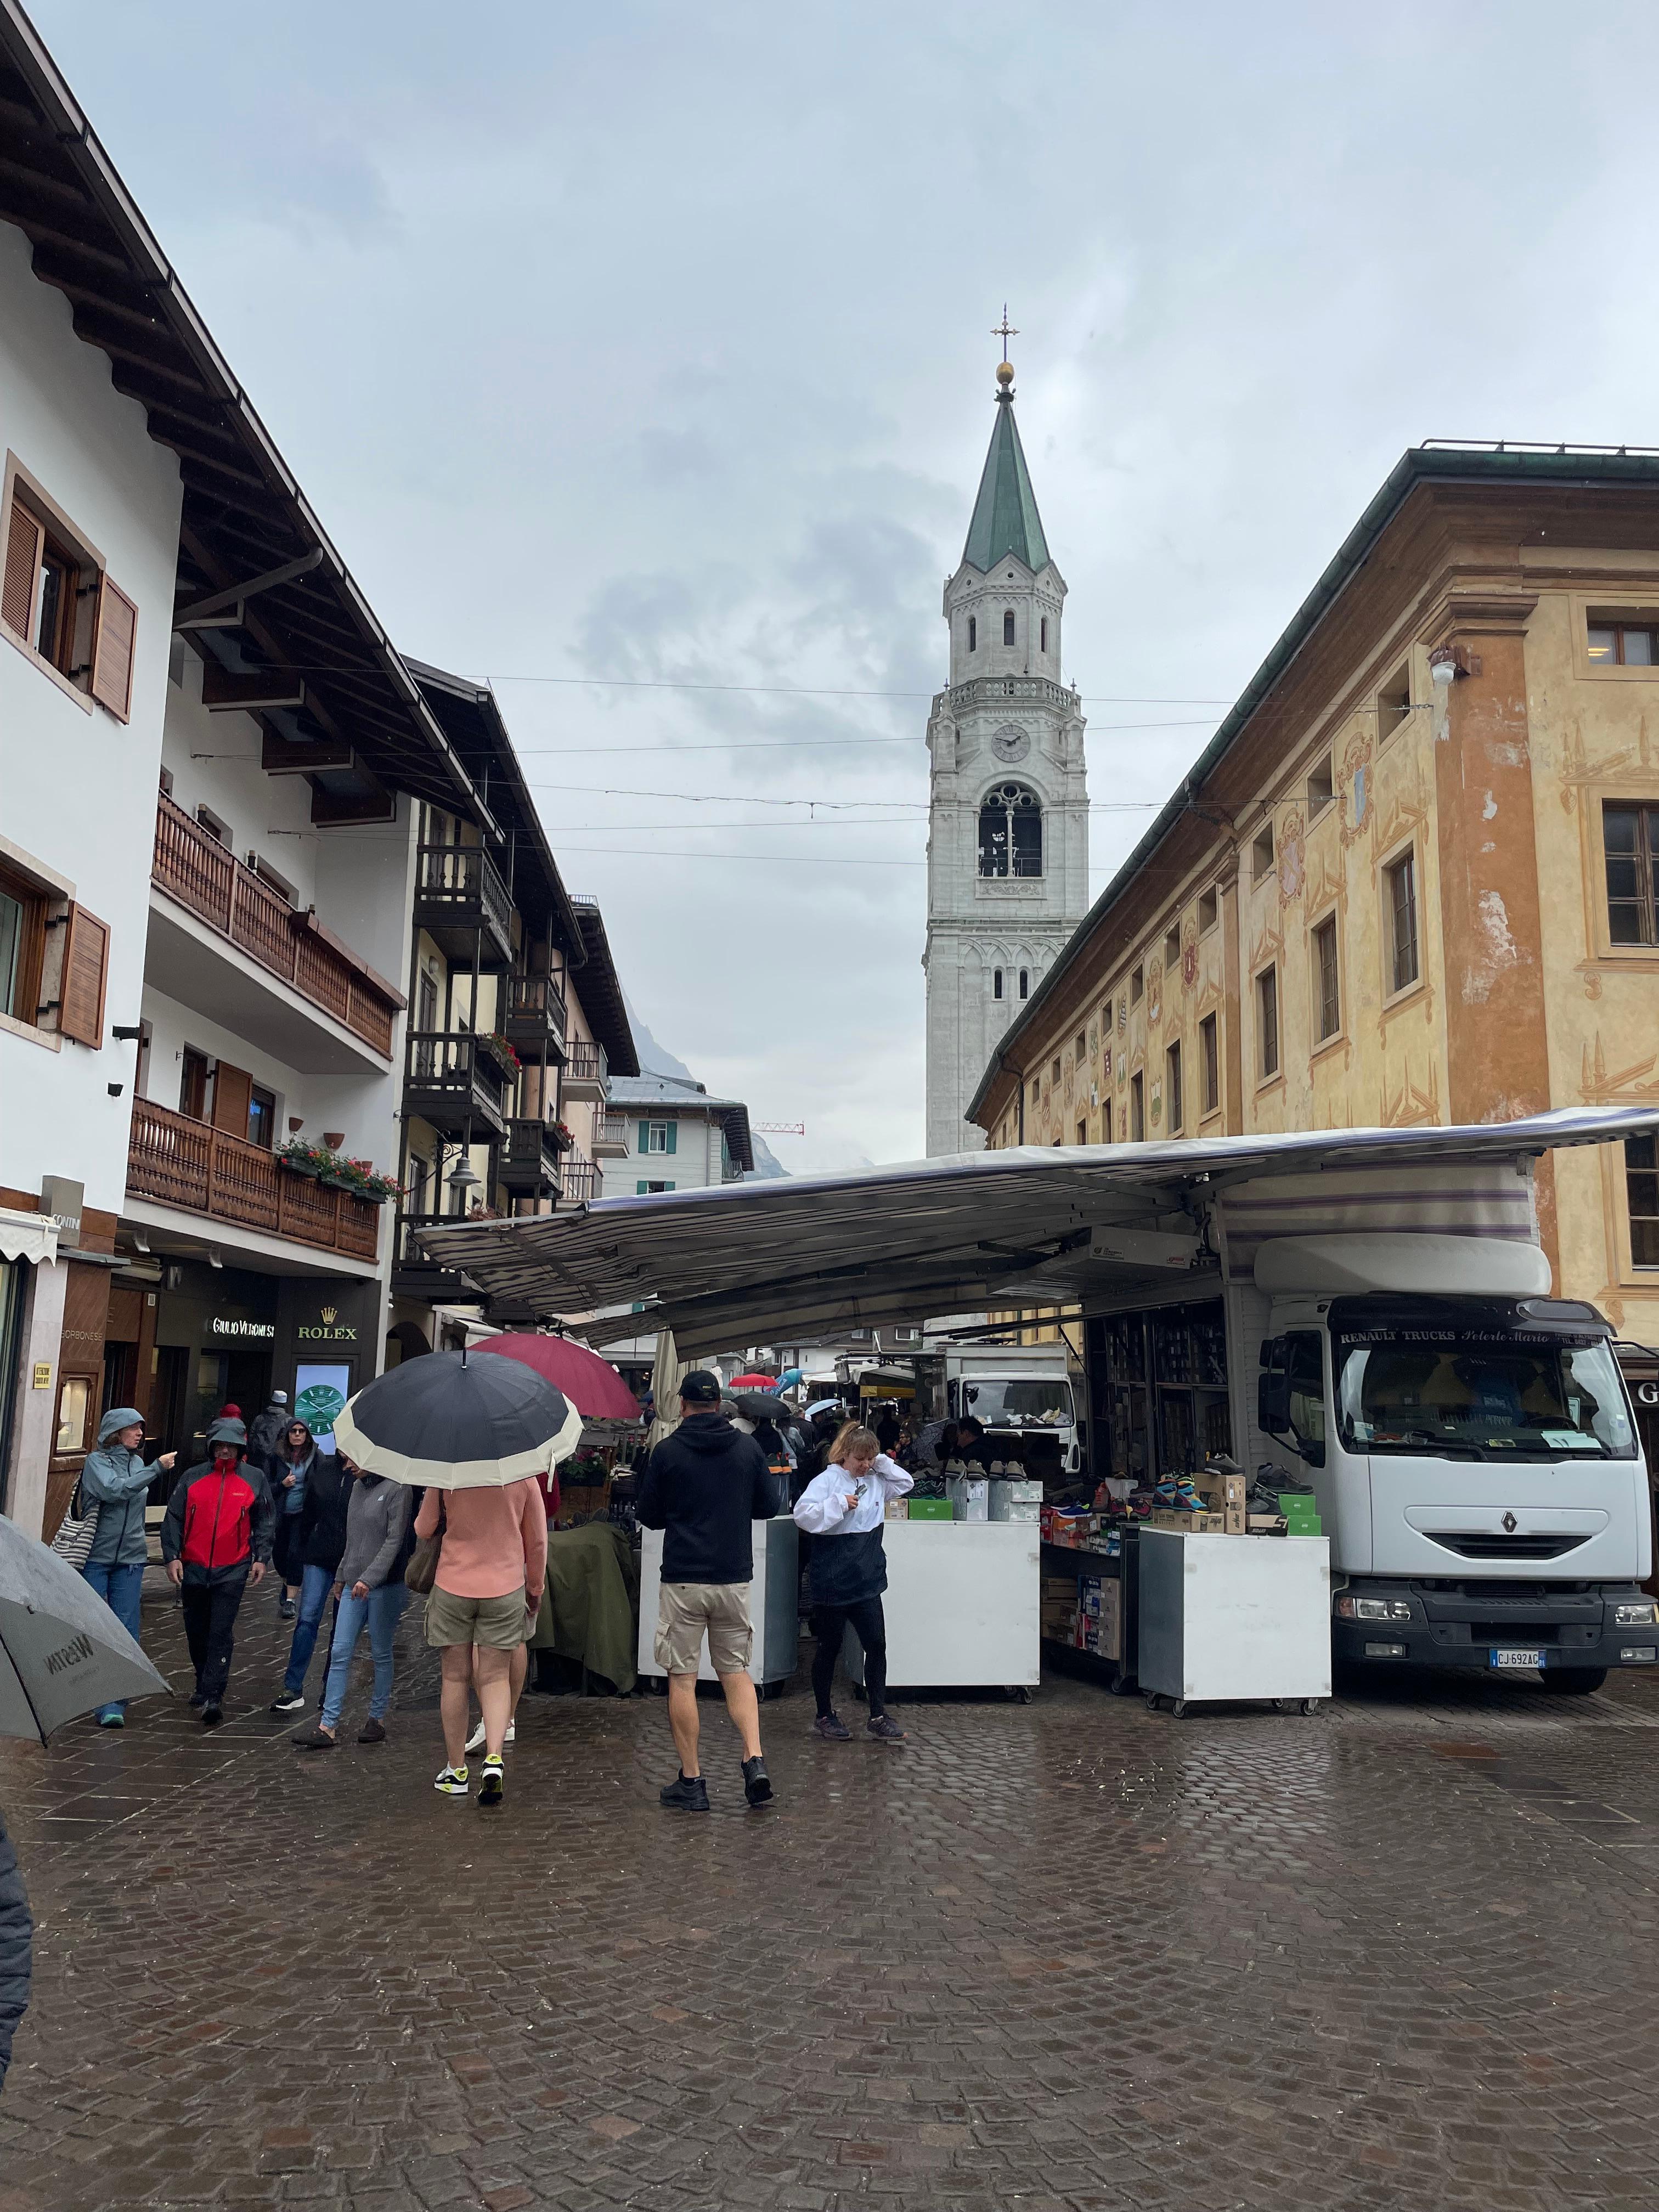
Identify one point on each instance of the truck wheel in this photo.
(1574, 1682)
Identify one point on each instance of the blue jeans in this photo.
(119, 1588)
(314, 1587)
(381, 1609)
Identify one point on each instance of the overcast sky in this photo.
(652, 343)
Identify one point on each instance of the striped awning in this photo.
(748, 1262)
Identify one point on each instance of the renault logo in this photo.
(1510, 1524)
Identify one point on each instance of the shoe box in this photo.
(969, 1496)
(930, 1509)
(1011, 1500)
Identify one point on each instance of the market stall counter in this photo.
(774, 1605)
(961, 1605)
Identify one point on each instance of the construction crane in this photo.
(778, 1129)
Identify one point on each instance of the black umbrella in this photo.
(761, 1406)
(459, 1424)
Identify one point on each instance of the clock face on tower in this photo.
(1010, 744)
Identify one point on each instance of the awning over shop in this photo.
(1032, 1227)
(28, 1236)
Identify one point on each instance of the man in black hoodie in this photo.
(703, 1487)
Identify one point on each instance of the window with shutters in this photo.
(262, 1117)
(56, 603)
(656, 1136)
(193, 1083)
(649, 1189)
(82, 979)
(23, 906)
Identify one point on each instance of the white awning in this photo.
(741, 1263)
(28, 1236)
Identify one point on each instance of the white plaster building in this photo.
(1008, 826)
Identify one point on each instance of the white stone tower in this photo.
(1008, 825)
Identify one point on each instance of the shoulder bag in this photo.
(422, 1572)
(74, 1541)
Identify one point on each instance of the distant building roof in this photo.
(601, 994)
(674, 1093)
(1005, 517)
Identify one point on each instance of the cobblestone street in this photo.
(1398, 1954)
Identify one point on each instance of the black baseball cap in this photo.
(700, 1388)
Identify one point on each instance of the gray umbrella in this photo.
(62, 1650)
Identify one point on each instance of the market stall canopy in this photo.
(1032, 1227)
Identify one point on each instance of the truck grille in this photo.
(1481, 1544)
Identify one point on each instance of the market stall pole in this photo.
(962, 1607)
(773, 1606)
(1231, 1619)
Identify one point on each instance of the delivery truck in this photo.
(1021, 1393)
(1466, 1435)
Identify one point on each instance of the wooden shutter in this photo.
(86, 966)
(25, 540)
(233, 1093)
(645, 1138)
(673, 1135)
(114, 635)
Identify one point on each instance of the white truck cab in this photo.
(1471, 1446)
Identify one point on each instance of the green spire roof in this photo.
(1005, 517)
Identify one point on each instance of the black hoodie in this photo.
(704, 1486)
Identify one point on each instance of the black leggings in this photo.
(869, 1625)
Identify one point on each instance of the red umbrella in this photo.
(755, 1382)
(591, 1384)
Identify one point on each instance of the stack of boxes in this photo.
(1301, 1511)
(1100, 1616)
(1223, 1515)
(1058, 1609)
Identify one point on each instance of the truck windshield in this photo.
(1016, 1403)
(1481, 1394)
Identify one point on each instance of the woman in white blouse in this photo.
(846, 1575)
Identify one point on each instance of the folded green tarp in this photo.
(590, 1606)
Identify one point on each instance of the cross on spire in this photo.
(1005, 331)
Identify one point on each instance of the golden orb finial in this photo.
(1004, 372)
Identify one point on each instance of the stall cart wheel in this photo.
(1122, 1685)
(1310, 1704)
(1022, 1694)
(1177, 1709)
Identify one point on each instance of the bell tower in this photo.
(1008, 819)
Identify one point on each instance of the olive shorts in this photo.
(686, 1611)
(496, 1621)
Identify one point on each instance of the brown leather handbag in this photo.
(422, 1572)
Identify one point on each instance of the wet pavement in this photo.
(1397, 1955)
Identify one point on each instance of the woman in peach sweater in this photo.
(487, 1591)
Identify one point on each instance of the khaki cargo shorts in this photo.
(496, 1621)
(686, 1610)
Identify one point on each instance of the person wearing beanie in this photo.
(215, 1540)
(116, 1479)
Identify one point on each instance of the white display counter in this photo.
(962, 1606)
(773, 1604)
(1233, 1616)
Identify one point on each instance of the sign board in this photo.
(61, 1201)
(320, 1395)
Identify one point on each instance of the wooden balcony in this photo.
(453, 1082)
(179, 1162)
(587, 1073)
(414, 1276)
(611, 1137)
(535, 1017)
(463, 905)
(206, 878)
(529, 1166)
(580, 1181)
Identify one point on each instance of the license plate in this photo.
(1506, 1656)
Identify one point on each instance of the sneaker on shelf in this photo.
(686, 1793)
(372, 1731)
(885, 1729)
(452, 1783)
(832, 1729)
(211, 1714)
(289, 1701)
(756, 1782)
(477, 1740)
(492, 1786)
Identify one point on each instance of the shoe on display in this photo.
(372, 1731)
(492, 1786)
(756, 1784)
(452, 1783)
(290, 1701)
(832, 1729)
(885, 1729)
(477, 1740)
(686, 1793)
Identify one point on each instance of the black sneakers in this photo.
(211, 1714)
(756, 1785)
(688, 1794)
(289, 1701)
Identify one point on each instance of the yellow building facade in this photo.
(1415, 877)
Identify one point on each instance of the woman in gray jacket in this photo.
(372, 1594)
(117, 1481)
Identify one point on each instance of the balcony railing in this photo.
(461, 902)
(414, 1276)
(987, 690)
(611, 1137)
(204, 876)
(451, 1078)
(587, 1072)
(529, 1165)
(188, 1163)
(535, 1014)
(579, 1180)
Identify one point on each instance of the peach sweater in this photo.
(494, 1540)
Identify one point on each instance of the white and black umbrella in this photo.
(455, 1422)
(62, 1650)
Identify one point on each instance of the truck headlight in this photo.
(1349, 1608)
(1639, 1614)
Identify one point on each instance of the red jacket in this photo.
(218, 1523)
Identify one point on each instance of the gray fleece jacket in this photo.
(377, 1521)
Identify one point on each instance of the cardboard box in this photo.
(898, 1509)
(1058, 1623)
(969, 1497)
(1059, 1587)
(1190, 1524)
(1265, 1525)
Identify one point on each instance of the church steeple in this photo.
(1005, 517)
